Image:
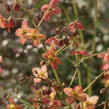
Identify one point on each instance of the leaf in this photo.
(40, 3)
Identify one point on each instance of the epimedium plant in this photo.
(55, 94)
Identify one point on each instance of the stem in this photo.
(73, 77)
(93, 81)
(66, 13)
(78, 70)
(91, 56)
(57, 77)
(95, 27)
(27, 12)
(89, 81)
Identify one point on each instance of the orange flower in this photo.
(3, 22)
(75, 94)
(36, 36)
(51, 55)
(29, 33)
(23, 32)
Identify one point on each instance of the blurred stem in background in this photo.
(95, 27)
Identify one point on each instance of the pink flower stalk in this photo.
(90, 102)
(74, 94)
(76, 25)
(50, 9)
(40, 73)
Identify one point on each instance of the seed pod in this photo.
(66, 41)
(11, 22)
(58, 31)
(7, 7)
(60, 42)
(42, 62)
(16, 6)
(65, 29)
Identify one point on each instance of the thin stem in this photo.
(27, 12)
(73, 78)
(95, 27)
(89, 80)
(66, 13)
(91, 56)
(67, 59)
(93, 81)
(57, 77)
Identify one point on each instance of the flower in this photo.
(36, 36)
(105, 56)
(40, 73)
(23, 32)
(105, 68)
(74, 94)
(90, 102)
(3, 22)
(84, 53)
(50, 9)
(51, 56)
(26, 33)
(76, 25)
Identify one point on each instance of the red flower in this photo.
(50, 9)
(75, 94)
(51, 55)
(40, 73)
(84, 53)
(10, 24)
(105, 56)
(76, 25)
(36, 36)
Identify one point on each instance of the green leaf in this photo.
(41, 3)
